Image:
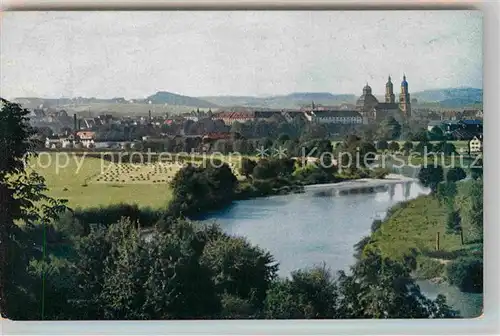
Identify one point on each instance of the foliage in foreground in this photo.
(191, 271)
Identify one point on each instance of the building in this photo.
(213, 136)
(373, 111)
(334, 117)
(229, 117)
(449, 115)
(475, 145)
(86, 138)
(474, 126)
(54, 142)
(449, 126)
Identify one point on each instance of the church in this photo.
(374, 111)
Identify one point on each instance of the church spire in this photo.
(404, 98)
(389, 93)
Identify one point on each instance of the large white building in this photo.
(334, 117)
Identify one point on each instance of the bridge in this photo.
(359, 186)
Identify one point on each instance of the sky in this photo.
(195, 53)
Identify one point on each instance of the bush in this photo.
(466, 273)
(408, 146)
(476, 169)
(431, 176)
(379, 173)
(429, 268)
(263, 187)
(382, 145)
(455, 174)
(422, 146)
(359, 247)
(376, 224)
(447, 191)
(394, 146)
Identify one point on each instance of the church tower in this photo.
(404, 99)
(389, 93)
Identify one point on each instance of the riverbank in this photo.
(363, 183)
(417, 232)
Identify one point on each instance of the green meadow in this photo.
(77, 182)
(91, 182)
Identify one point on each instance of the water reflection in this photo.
(303, 230)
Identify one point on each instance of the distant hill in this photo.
(169, 98)
(163, 101)
(35, 102)
(452, 97)
(292, 100)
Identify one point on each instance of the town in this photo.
(206, 130)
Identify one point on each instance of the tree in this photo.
(389, 129)
(382, 288)
(242, 146)
(121, 276)
(431, 176)
(436, 134)
(196, 189)
(282, 138)
(239, 269)
(469, 203)
(394, 146)
(354, 151)
(382, 145)
(45, 132)
(453, 222)
(66, 130)
(466, 273)
(273, 168)
(408, 146)
(424, 147)
(314, 131)
(309, 294)
(19, 192)
(476, 169)
(247, 167)
(420, 135)
(445, 147)
(455, 174)
(222, 146)
(359, 246)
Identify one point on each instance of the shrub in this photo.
(376, 224)
(394, 146)
(455, 174)
(466, 273)
(429, 268)
(359, 246)
(379, 173)
(453, 222)
(408, 146)
(382, 145)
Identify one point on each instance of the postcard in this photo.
(241, 165)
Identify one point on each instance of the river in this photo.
(303, 230)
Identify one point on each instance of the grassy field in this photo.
(90, 182)
(414, 225)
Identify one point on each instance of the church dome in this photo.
(367, 89)
(389, 82)
(404, 82)
(367, 100)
